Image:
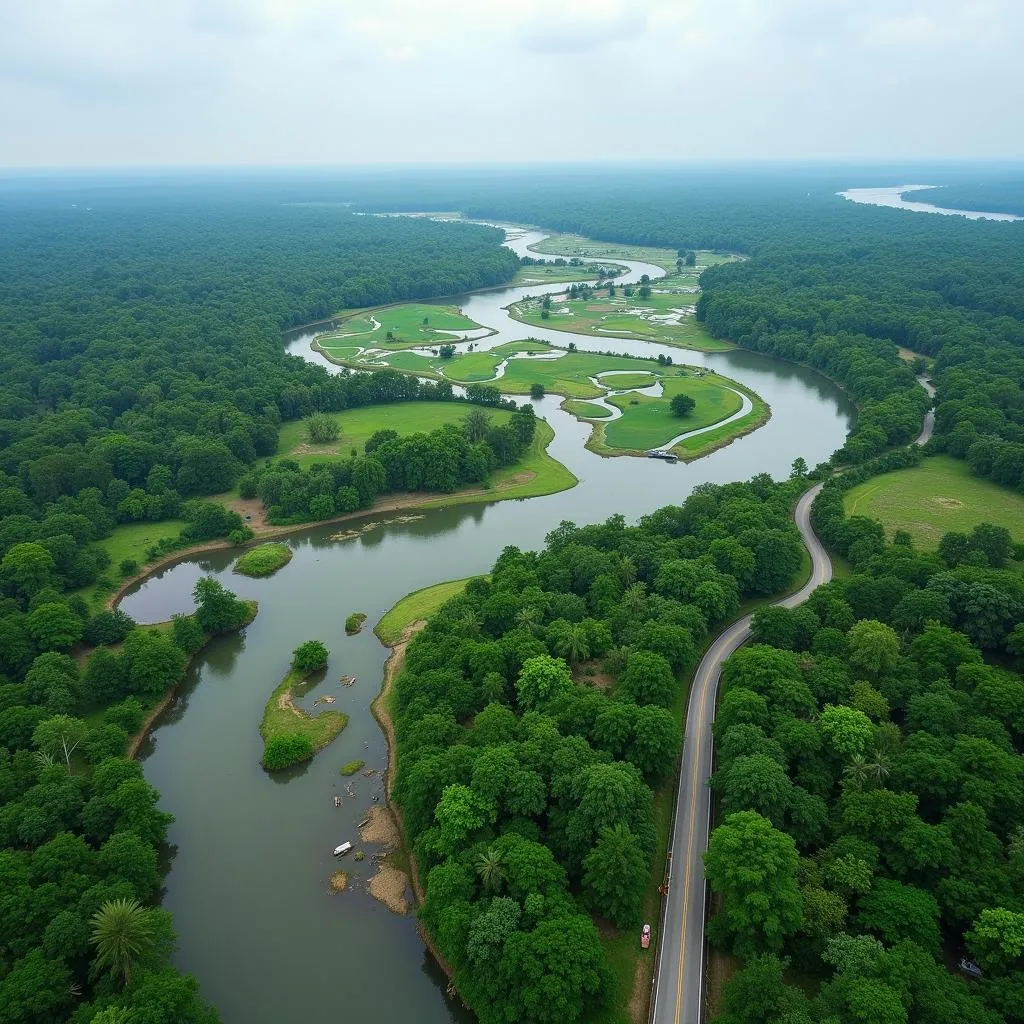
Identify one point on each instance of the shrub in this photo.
(128, 567)
(321, 429)
(310, 655)
(354, 623)
(351, 768)
(283, 751)
(108, 628)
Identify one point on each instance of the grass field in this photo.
(621, 381)
(666, 316)
(420, 604)
(585, 410)
(931, 499)
(263, 560)
(358, 425)
(411, 323)
(544, 274)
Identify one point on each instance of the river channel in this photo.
(250, 853)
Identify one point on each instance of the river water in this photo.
(893, 196)
(250, 854)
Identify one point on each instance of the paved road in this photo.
(679, 981)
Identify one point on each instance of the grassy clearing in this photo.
(648, 422)
(577, 245)
(283, 717)
(585, 410)
(263, 560)
(420, 604)
(620, 381)
(691, 448)
(356, 426)
(666, 316)
(555, 275)
(410, 323)
(931, 499)
(570, 375)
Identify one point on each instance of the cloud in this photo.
(340, 81)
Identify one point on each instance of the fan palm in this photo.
(857, 773)
(529, 619)
(123, 935)
(490, 866)
(878, 769)
(573, 644)
(634, 599)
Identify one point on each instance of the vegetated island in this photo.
(290, 734)
(263, 560)
(354, 623)
(405, 324)
(351, 768)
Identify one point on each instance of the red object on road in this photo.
(645, 937)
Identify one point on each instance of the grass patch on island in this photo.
(354, 623)
(934, 498)
(263, 560)
(409, 323)
(351, 768)
(585, 410)
(420, 604)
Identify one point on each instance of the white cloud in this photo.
(192, 81)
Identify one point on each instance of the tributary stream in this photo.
(251, 852)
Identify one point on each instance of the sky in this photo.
(339, 82)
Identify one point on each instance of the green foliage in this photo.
(264, 560)
(310, 655)
(217, 609)
(351, 768)
(354, 623)
(285, 750)
(682, 405)
(321, 429)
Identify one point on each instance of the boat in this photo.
(661, 453)
(340, 851)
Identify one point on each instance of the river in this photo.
(892, 196)
(250, 853)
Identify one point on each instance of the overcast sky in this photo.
(91, 82)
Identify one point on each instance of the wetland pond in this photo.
(250, 858)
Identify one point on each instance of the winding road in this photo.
(678, 996)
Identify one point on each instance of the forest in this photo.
(442, 460)
(871, 786)
(533, 715)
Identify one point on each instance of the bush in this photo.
(128, 567)
(321, 429)
(264, 560)
(354, 623)
(537, 390)
(682, 405)
(128, 714)
(283, 751)
(187, 633)
(310, 655)
(351, 768)
(108, 628)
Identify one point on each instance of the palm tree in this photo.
(573, 644)
(634, 600)
(468, 624)
(857, 773)
(627, 570)
(490, 866)
(529, 619)
(878, 769)
(123, 935)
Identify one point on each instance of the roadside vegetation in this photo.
(534, 715)
(263, 560)
(290, 734)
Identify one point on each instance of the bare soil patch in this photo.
(389, 886)
(339, 881)
(381, 828)
(593, 674)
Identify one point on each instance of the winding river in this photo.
(892, 196)
(250, 854)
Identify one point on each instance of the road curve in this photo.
(678, 996)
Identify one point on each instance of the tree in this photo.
(54, 626)
(754, 867)
(369, 478)
(615, 876)
(490, 866)
(537, 391)
(897, 911)
(996, 940)
(109, 627)
(755, 782)
(29, 567)
(572, 644)
(309, 656)
(757, 994)
(187, 633)
(847, 729)
(284, 751)
(476, 423)
(682, 405)
(322, 429)
(541, 680)
(648, 679)
(218, 610)
(874, 647)
(798, 471)
(153, 662)
(124, 935)
(61, 735)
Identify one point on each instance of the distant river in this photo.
(250, 853)
(893, 196)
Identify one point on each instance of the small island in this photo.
(264, 560)
(290, 734)
(354, 623)
(351, 768)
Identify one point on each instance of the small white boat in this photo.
(340, 851)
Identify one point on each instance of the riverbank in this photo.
(381, 708)
(535, 475)
(135, 740)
